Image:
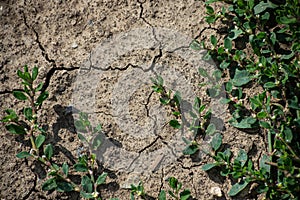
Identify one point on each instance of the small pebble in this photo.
(74, 45)
(216, 191)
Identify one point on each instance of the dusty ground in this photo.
(65, 39)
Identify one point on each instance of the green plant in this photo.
(170, 98)
(58, 175)
(175, 193)
(271, 31)
(138, 190)
(200, 114)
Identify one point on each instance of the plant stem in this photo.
(33, 144)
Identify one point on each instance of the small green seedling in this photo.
(170, 98)
(176, 191)
(137, 190)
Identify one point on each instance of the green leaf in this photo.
(101, 179)
(265, 124)
(269, 85)
(23, 154)
(235, 33)
(265, 16)
(173, 182)
(293, 103)
(211, 1)
(175, 124)
(262, 115)
(190, 150)
(210, 129)
(195, 45)
(209, 10)
(131, 196)
(98, 128)
(263, 165)
(12, 116)
(19, 95)
(35, 72)
(224, 64)
(65, 168)
(241, 77)
(15, 129)
(262, 6)
(81, 137)
(201, 109)
(50, 184)
(80, 167)
(224, 101)
(213, 40)
(217, 75)
(43, 96)
(20, 74)
(287, 20)
(87, 184)
(28, 113)
(162, 195)
(86, 195)
(177, 98)
(63, 186)
(238, 187)
(228, 44)
(97, 141)
(244, 123)
(172, 194)
(80, 127)
(164, 100)
(48, 151)
(185, 194)
(242, 157)
(39, 87)
(228, 87)
(39, 140)
(288, 134)
(216, 141)
(208, 166)
(203, 72)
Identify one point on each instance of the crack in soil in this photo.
(161, 180)
(46, 56)
(37, 40)
(33, 188)
(188, 168)
(10, 91)
(148, 101)
(142, 11)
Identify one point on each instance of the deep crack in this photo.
(190, 167)
(46, 56)
(44, 53)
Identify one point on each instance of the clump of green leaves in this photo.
(28, 125)
(170, 98)
(138, 191)
(87, 133)
(270, 31)
(200, 114)
(176, 191)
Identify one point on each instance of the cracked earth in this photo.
(65, 40)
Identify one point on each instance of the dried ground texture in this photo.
(98, 57)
